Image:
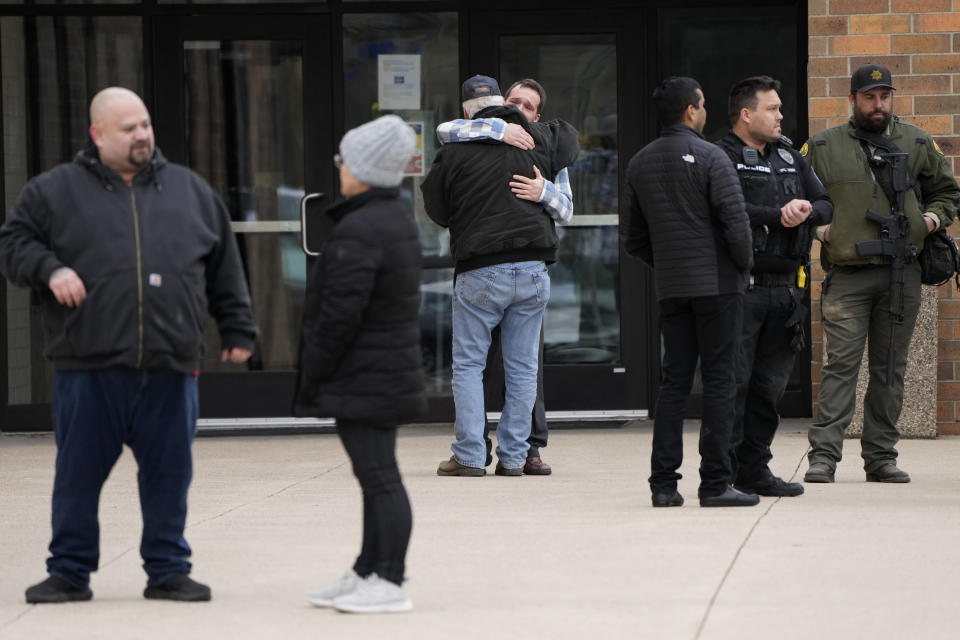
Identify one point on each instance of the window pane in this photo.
(436, 328)
(430, 39)
(579, 74)
(582, 323)
(244, 124)
(73, 57)
(277, 272)
(690, 40)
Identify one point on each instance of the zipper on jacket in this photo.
(136, 237)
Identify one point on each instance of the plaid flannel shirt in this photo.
(556, 197)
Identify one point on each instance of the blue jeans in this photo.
(513, 295)
(96, 412)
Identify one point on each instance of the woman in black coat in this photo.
(360, 356)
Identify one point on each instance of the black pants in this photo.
(387, 518)
(495, 389)
(707, 328)
(766, 361)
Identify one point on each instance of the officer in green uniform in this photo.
(851, 161)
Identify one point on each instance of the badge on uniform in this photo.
(804, 149)
(786, 155)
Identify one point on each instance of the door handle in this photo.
(303, 222)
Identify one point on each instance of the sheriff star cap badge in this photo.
(870, 76)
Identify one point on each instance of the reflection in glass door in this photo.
(582, 324)
(244, 134)
(232, 97)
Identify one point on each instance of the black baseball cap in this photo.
(479, 86)
(870, 76)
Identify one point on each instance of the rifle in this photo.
(894, 232)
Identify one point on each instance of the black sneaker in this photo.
(55, 589)
(179, 586)
(772, 486)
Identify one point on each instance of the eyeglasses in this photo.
(337, 160)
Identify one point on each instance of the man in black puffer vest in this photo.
(501, 245)
(687, 220)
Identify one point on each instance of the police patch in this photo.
(804, 149)
(936, 146)
(786, 155)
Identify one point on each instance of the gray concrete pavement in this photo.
(580, 554)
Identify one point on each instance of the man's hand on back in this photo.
(528, 188)
(518, 136)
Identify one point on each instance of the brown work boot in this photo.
(453, 468)
(535, 466)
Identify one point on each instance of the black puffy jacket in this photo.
(154, 255)
(686, 216)
(360, 356)
(468, 190)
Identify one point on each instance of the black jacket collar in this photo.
(681, 130)
(342, 208)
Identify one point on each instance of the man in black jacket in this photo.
(785, 202)
(501, 245)
(127, 253)
(687, 221)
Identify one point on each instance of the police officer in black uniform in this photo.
(785, 202)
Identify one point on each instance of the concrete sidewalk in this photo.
(580, 554)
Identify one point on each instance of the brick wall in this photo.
(919, 41)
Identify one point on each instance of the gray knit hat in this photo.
(376, 153)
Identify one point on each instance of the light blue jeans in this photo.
(513, 295)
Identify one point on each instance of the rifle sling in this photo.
(867, 138)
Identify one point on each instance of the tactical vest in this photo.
(841, 163)
(770, 180)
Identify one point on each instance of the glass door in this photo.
(244, 101)
(596, 333)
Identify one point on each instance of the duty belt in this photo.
(772, 279)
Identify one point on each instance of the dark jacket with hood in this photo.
(468, 190)
(360, 356)
(154, 255)
(686, 216)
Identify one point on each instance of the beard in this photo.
(868, 122)
(140, 154)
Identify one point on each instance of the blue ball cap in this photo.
(478, 87)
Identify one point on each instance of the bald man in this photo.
(127, 254)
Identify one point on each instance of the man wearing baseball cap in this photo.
(500, 245)
(854, 162)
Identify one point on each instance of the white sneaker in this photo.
(374, 595)
(347, 583)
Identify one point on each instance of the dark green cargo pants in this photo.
(855, 302)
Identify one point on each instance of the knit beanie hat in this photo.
(376, 153)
